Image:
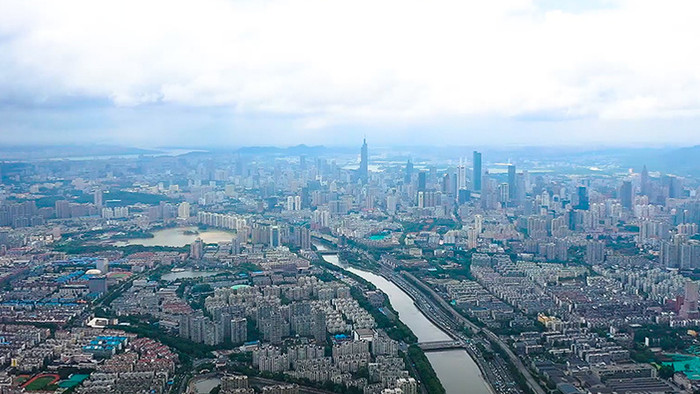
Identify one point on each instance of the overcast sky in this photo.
(283, 72)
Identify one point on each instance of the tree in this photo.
(666, 371)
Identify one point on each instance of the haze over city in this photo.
(349, 197)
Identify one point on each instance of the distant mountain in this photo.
(41, 152)
(682, 161)
(677, 161)
(316, 150)
(292, 150)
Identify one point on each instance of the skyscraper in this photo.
(97, 197)
(645, 181)
(595, 252)
(183, 210)
(391, 201)
(197, 249)
(511, 182)
(689, 310)
(477, 171)
(478, 223)
(520, 188)
(102, 265)
(461, 176)
(409, 172)
(626, 194)
(671, 186)
(421, 181)
(62, 209)
(275, 239)
(97, 284)
(364, 170)
(239, 330)
(582, 201)
(503, 193)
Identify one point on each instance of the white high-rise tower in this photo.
(461, 176)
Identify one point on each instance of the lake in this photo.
(187, 274)
(176, 237)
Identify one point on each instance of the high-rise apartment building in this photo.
(689, 310)
(239, 330)
(183, 210)
(97, 197)
(197, 249)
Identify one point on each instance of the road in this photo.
(442, 314)
(495, 372)
(493, 338)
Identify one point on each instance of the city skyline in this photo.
(360, 271)
(351, 197)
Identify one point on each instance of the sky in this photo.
(403, 72)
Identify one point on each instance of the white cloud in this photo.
(334, 62)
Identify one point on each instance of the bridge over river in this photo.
(452, 363)
(441, 345)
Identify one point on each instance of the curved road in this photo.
(529, 379)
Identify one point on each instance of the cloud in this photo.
(330, 63)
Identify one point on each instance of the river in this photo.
(455, 368)
(176, 237)
(205, 385)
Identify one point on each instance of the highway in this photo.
(493, 338)
(495, 372)
(443, 315)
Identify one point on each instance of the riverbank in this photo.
(520, 372)
(477, 360)
(455, 369)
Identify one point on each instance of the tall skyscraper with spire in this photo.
(409, 172)
(364, 165)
